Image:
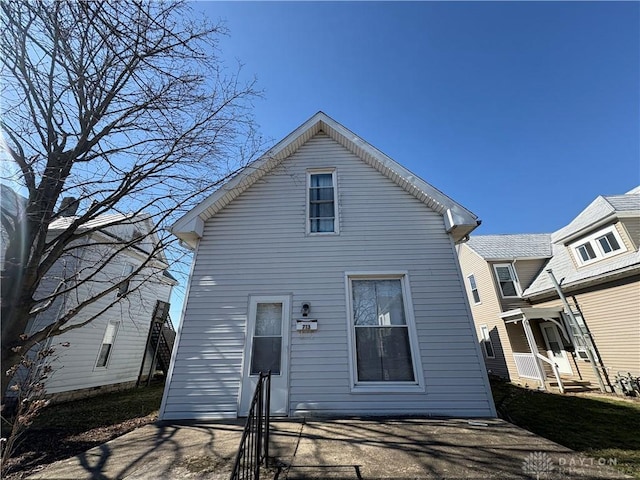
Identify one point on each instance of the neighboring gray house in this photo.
(118, 347)
(334, 267)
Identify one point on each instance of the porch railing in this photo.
(527, 368)
(254, 445)
(526, 365)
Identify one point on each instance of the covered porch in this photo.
(546, 354)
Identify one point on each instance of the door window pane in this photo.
(266, 355)
(268, 319)
(267, 339)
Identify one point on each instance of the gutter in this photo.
(586, 282)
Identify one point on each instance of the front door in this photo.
(267, 348)
(555, 350)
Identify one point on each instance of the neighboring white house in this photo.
(107, 353)
(334, 267)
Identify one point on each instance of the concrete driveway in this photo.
(367, 448)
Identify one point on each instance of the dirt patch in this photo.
(42, 446)
(205, 464)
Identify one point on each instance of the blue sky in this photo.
(524, 112)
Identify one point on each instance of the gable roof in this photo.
(602, 210)
(459, 221)
(510, 247)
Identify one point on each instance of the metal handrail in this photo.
(254, 444)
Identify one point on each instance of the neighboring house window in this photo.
(507, 280)
(608, 243)
(486, 342)
(580, 332)
(126, 272)
(107, 344)
(384, 340)
(602, 244)
(322, 202)
(586, 252)
(474, 288)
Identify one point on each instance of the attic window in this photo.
(321, 202)
(599, 245)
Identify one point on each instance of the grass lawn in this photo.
(67, 429)
(596, 426)
(102, 411)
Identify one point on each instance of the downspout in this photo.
(587, 341)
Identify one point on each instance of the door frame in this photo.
(281, 381)
(563, 352)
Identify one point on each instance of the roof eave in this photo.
(459, 221)
(585, 282)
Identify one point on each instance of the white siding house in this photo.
(324, 232)
(108, 352)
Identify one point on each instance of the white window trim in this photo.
(254, 300)
(597, 248)
(113, 344)
(127, 270)
(516, 282)
(471, 289)
(487, 339)
(336, 209)
(416, 386)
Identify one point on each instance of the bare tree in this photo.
(124, 106)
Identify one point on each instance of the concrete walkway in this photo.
(368, 448)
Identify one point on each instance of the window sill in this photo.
(322, 234)
(386, 388)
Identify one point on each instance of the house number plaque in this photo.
(306, 325)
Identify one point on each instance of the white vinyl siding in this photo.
(75, 367)
(382, 227)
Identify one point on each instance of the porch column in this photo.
(534, 350)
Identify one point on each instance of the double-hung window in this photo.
(107, 344)
(322, 202)
(474, 288)
(507, 280)
(383, 337)
(486, 342)
(126, 276)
